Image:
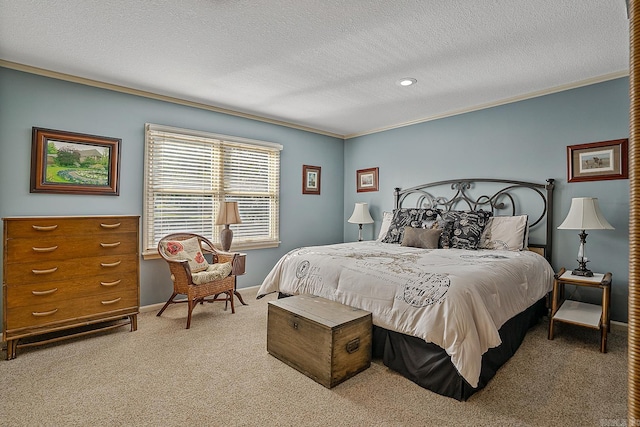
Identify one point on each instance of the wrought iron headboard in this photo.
(501, 201)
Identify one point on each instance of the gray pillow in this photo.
(426, 238)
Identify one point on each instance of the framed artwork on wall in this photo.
(310, 179)
(367, 180)
(598, 161)
(74, 163)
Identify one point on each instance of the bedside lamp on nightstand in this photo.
(584, 214)
(360, 216)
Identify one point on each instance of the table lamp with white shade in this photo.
(360, 216)
(584, 214)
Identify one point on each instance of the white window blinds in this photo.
(188, 174)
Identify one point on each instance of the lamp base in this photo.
(582, 269)
(584, 273)
(226, 236)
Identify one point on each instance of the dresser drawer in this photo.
(51, 312)
(59, 248)
(41, 227)
(114, 267)
(81, 287)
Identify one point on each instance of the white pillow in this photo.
(386, 222)
(505, 233)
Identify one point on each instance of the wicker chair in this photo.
(182, 278)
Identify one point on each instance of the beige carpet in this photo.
(219, 373)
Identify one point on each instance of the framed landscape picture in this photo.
(310, 179)
(367, 180)
(598, 161)
(74, 163)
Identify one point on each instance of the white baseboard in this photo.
(619, 326)
(158, 306)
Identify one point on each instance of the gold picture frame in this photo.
(74, 163)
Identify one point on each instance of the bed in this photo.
(454, 281)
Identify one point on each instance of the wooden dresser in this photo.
(62, 273)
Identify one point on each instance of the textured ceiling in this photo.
(328, 65)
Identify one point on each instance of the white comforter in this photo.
(457, 299)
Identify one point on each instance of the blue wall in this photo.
(28, 100)
(525, 140)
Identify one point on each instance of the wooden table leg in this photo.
(606, 294)
(12, 346)
(554, 306)
(236, 293)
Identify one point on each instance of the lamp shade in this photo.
(228, 214)
(361, 214)
(585, 214)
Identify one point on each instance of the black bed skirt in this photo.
(429, 366)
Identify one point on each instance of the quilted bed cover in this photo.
(457, 299)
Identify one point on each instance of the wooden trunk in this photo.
(325, 340)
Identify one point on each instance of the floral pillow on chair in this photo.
(187, 250)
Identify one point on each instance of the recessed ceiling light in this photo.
(406, 81)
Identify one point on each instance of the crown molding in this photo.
(151, 95)
(123, 89)
(555, 89)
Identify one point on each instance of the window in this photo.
(188, 174)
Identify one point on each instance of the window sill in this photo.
(153, 253)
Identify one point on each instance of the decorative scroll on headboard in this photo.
(500, 196)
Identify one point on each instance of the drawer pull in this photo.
(116, 225)
(49, 292)
(44, 228)
(110, 283)
(51, 249)
(51, 270)
(113, 301)
(112, 264)
(110, 245)
(44, 313)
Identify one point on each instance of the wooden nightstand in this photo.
(579, 313)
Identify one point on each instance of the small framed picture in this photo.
(598, 161)
(310, 179)
(74, 163)
(367, 180)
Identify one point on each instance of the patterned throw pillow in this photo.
(187, 250)
(462, 229)
(407, 217)
(426, 238)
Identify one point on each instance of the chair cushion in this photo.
(212, 273)
(187, 250)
